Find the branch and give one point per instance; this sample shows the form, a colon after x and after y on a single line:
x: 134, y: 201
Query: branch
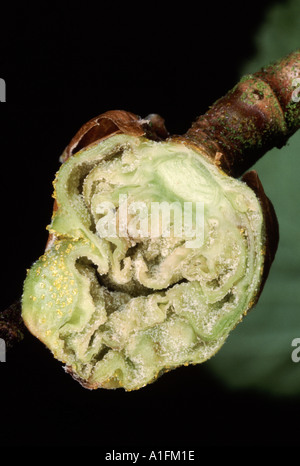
x: 259, y: 113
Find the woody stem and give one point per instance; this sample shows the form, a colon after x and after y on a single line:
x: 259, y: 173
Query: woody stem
x: 261, y: 112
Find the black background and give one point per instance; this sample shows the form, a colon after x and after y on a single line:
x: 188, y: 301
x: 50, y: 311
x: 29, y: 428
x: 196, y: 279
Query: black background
x: 63, y: 66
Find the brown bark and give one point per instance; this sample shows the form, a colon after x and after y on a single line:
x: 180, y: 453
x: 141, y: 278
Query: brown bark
x: 255, y: 116
x: 115, y: 122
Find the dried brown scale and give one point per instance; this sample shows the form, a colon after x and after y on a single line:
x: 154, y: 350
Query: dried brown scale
x: 103, y: 125
x: 113, y: 122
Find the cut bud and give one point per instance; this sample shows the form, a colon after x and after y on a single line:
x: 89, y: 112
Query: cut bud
x: 123, y: 294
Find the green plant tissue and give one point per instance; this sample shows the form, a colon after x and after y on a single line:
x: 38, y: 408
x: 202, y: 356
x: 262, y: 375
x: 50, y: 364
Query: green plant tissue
x: 258, y: 354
